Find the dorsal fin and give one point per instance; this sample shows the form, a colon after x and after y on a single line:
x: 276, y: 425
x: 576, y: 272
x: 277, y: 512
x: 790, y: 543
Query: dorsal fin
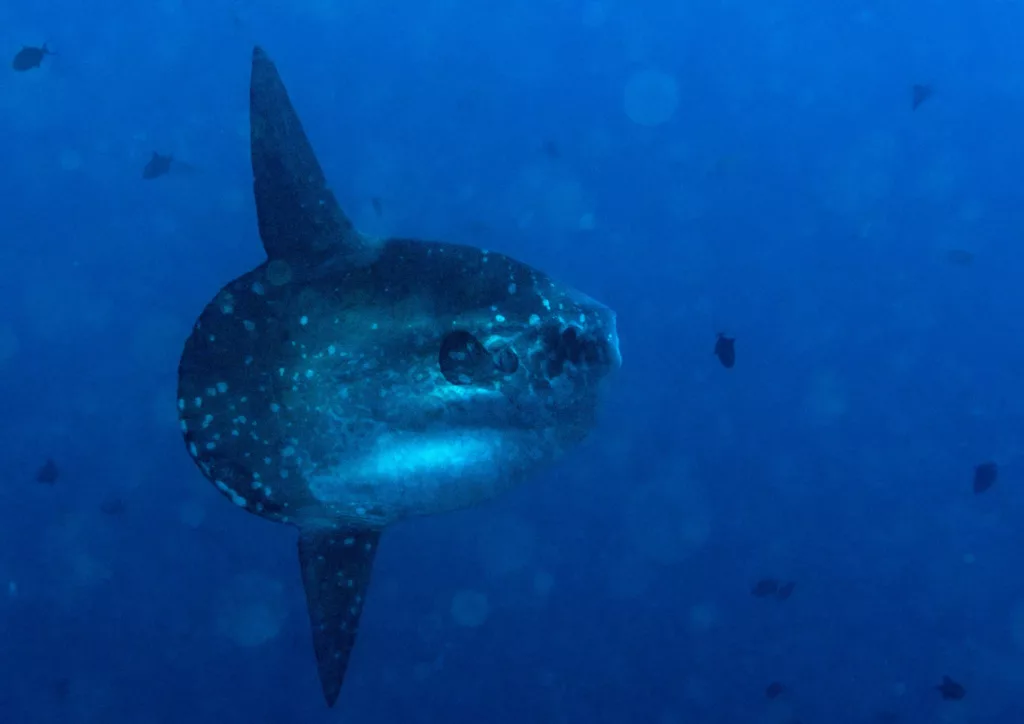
x: 300, y: 221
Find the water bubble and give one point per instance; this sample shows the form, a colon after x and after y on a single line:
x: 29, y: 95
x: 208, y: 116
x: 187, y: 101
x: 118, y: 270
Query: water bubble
x: 70, y: 160
x: 251, y: 609
x: 651, y: 97
x: 470, y: 608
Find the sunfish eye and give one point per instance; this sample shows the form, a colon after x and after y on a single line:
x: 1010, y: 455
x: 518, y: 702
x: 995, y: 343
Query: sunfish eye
x: 506, y: 361
x: 463, y: 358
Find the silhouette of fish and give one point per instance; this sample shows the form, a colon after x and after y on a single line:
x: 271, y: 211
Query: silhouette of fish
x: 30, y: 57
x: 114, y: 505
x: 157, y: 166
x: 775, y: 690
x: 161, y: 165
x: 773, y: 587
x: 919, y: 93
x: 951, y: 690
x: 550, y: 149
x: 985, y: 476
x: 378, y: 207
x: 960, y: 257
x: 48, y: 473
x: 725, y: 350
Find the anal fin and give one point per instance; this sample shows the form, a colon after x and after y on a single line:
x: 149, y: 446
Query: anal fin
x: 336, y: 567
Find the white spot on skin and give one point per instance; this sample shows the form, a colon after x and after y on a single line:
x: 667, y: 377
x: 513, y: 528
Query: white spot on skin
x: 235, y: 497
x: 512, y: 288
x: 534, y: 320
x: 499, y: 318
x: 303, y: 320
x: 331, y: 350
x: 222, y: 387
x: 181, y: 404
x: 309, y: 374
x: 274, y: 407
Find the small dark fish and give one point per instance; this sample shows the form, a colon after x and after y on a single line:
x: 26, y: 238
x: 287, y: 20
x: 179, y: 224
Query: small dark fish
x: 919, y: 93
x: 775, y: 690
x: 550, y: 149
x: 725, y: 350
x: 951, y: 689
x: 765, y: 587
x: 960, y: 257
x: 157, y: 166
x: 786, y: 590
x: 49, y: 473
x: 62, y: 689
x: 113, y: 506
x: 985, y: 476
x: 30, y: 57
x: 378, y: 208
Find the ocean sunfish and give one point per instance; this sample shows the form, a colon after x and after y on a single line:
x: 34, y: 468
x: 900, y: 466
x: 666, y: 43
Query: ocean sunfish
x: 347, y: 383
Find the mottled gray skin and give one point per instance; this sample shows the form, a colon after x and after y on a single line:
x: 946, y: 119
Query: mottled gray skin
x: 323, y: 401
x: 349, y: 383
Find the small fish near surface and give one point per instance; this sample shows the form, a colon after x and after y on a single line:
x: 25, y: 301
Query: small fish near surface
x: 725, y: 350
x: 951, y: 690
x: 960, y: 257
x: 768, y: 587
x: 48, y: 473
x: 919, y: 93
x: 775, y: 690
x: 157, y: 166
x: 113, y: 505
x: 985, y: 476
x: 30, y: 57
x: 161, y: 165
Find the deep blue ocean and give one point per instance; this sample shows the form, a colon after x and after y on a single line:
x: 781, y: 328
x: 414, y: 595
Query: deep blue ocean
x: 704, y: 167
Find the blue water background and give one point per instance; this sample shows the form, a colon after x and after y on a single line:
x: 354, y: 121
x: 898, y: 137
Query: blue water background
x: 793, y: 200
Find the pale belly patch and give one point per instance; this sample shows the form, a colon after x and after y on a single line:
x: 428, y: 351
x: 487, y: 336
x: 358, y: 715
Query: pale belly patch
x: 409, y: 474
